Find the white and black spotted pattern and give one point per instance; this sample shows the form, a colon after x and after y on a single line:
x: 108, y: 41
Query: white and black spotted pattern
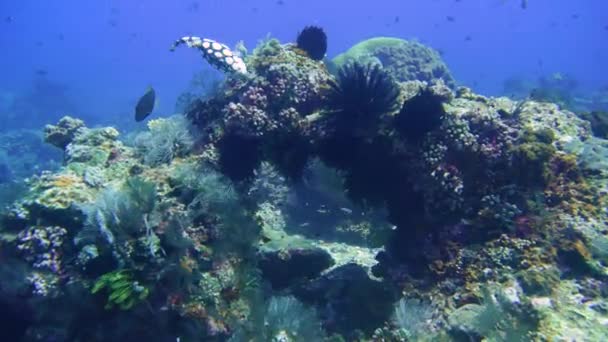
x: 217, y: 54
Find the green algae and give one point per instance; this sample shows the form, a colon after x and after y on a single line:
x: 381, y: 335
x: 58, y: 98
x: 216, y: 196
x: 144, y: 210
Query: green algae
x: 536, y: 281
x: 532, y: 156
x: 122, y: 290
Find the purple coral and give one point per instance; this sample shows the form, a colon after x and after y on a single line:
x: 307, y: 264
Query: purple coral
x: 41, y: 246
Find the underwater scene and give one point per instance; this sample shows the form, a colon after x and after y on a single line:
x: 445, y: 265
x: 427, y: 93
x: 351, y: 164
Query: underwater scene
x: 302, y: 171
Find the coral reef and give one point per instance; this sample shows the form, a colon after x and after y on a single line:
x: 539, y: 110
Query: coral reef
x: 63, y: 133
x: 377, y: 204
x: 599, y: 123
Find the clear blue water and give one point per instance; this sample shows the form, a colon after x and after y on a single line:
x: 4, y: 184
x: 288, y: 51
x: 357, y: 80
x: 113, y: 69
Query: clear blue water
x: 106, y: 53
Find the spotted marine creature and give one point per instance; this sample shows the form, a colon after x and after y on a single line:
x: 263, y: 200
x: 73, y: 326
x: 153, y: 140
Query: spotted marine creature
x: 217, y: 54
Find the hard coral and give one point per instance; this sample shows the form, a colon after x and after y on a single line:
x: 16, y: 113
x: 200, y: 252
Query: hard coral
x: 264, y: 117
x: 63, y: 133
x: 531, y: 157
x: 406, y: 60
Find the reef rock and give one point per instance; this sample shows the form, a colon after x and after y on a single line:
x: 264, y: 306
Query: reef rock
x: 463, y: 320
x: 63, y: 133
x: 284, y: 267
x: 350, y: 298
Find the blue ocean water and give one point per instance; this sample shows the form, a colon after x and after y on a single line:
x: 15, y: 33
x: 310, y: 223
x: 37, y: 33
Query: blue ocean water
x: 105, y: 53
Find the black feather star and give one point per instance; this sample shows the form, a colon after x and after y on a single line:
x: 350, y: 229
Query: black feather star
x: 360, y: 95
x: 313, y: 40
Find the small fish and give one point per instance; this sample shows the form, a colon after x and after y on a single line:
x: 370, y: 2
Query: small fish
x: 606, y: 27
x: 9, y: 19
x: 280, y: 2
x: 145, y: 105
x: 397, y: 19
x: 524, y: 4
x: 450, y: 18
x: 112, y: 22
x: 305, y: 224
x: 575, y: 16
x: 39, y: 44
x: 323, y: 209
x: 346, y: 210
x: 468, y: 38
x: 61, y: 36
x: 41, y: 72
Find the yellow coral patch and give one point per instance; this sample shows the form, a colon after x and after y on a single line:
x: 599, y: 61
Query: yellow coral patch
x: 65, y: 181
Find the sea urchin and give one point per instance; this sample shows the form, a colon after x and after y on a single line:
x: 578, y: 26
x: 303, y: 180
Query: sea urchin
x: 313, y: 40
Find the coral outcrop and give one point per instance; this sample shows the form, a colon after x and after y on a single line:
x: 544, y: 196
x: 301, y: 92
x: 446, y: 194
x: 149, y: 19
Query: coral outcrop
x: 275, y: 210
x: 405, y: 60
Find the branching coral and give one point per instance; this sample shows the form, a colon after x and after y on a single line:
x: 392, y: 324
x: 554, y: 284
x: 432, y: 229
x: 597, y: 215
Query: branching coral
x: 43, y: 248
